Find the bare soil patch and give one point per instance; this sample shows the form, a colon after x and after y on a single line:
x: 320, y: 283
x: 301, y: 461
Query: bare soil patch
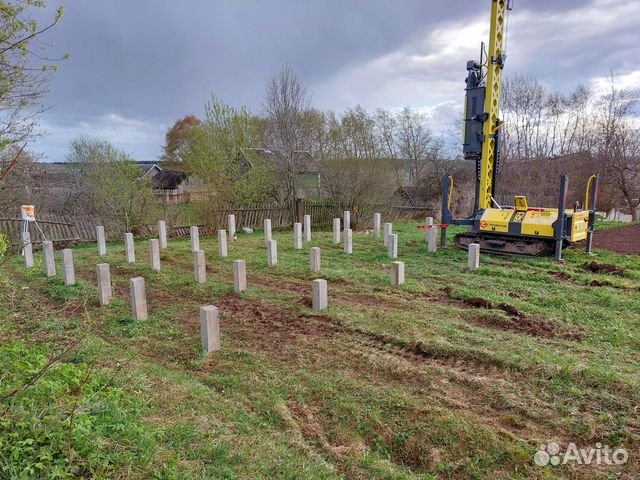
x: 268, y: 326
x: 607, y: 268
x: 564, y: 276
x: 519, y: 322
x: 478, y: 302
x: 624, y: 240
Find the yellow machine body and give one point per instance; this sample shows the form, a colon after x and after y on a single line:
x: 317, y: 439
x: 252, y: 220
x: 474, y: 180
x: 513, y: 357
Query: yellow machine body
x: 536, y: 223
x: 517, y: 230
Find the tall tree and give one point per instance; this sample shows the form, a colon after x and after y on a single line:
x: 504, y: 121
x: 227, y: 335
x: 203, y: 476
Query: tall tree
x: 285, y: 106
x: 177, y: 140
x: 353, y: 172
x: 416, y: 144
x: 619, y: 143
x: 222, y: 161
x: 387, y: 131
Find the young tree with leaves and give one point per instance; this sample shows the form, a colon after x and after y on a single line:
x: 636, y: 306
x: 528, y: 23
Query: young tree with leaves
x: 222, y: 161
x: 177, y: 140
x: 24, y: 69
x: 116, y: 189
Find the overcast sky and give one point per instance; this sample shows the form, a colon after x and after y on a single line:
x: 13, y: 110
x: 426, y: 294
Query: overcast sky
x: 138, y: 65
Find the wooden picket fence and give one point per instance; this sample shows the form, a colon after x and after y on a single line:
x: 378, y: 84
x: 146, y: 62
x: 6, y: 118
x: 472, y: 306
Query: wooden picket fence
x: 253, y: 216
x: 323, y: 213
x: 58, y: 228
x: 65, y: 229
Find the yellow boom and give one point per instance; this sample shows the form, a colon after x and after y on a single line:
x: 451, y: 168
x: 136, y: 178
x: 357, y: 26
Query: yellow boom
x: 495, y: 63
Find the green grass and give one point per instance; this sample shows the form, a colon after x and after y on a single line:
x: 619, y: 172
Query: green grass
x: 602, y: 224
x: 408, y: 382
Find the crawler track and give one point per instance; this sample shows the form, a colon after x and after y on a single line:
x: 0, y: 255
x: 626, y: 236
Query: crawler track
x: 505, y: 244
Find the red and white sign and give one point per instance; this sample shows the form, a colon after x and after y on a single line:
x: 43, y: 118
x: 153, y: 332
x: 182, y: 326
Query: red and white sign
x: 28, y: 213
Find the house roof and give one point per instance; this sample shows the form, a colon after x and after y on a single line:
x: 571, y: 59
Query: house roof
x: 147, y: 167
x: 168, y: 179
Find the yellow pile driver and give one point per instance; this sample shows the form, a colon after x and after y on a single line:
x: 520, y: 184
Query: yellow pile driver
x: 518, y: 229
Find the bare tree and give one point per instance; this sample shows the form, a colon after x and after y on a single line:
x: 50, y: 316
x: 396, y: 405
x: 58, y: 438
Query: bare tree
x: 285, y: 106
x: 524, y: 102
x: 16, y: 179
x: 354, y: 172
x: 387, y: 132
x: 541, y: 124
x: 417, y: 145
x: 177, y: 140
x: 619, y: 145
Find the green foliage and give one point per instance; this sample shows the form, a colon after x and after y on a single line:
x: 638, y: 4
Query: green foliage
x: 220, y: 156
x: 389, y: 382
x: 35, y: 432
x: 121, y: 195
x: 4, y: 245
x: 24, y: 68
x: 177, y: 139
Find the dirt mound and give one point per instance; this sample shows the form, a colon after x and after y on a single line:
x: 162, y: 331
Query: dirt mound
x: 595, y: 267
x: 478, y: 302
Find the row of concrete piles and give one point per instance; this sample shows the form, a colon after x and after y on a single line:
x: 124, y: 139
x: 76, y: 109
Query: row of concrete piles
x: 390, y: 239
x: 209, y: 315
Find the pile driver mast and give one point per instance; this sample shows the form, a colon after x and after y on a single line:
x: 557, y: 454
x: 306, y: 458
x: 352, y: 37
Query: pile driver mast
x: 517, y: 230
x: 482, y: 108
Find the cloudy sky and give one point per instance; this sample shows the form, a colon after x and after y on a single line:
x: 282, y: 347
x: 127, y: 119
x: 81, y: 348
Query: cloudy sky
x: 138, y: 65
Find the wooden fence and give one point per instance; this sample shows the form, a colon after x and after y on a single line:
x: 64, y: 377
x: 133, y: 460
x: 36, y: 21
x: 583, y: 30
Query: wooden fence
x: 172, y: 197
x: 322, y: 213
x: 55, y: 227
x: 64, y: 229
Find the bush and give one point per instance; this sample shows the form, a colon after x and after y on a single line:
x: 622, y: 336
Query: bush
x: 116, y: 190
x: 223, y: 163
x: 34, y: 430
x: 4, y: 245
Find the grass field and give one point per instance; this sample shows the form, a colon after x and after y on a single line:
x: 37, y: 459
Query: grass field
x: 456, y: 374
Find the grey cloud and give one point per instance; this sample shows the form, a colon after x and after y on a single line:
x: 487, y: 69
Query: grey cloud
x: 150, y: 61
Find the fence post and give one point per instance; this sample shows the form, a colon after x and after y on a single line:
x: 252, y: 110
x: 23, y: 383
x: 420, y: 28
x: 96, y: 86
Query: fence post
x: 299, y: 210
